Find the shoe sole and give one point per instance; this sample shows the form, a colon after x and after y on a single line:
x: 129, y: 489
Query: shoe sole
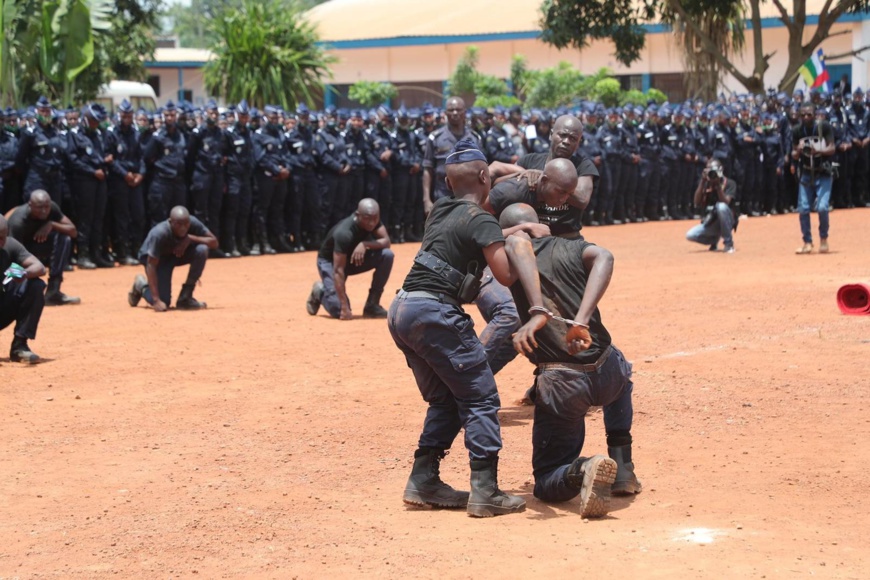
x: 24, y: 361
x: 312, y: 305
x: 482, y: 510
x: 599, y: 473
x: 415, y: 498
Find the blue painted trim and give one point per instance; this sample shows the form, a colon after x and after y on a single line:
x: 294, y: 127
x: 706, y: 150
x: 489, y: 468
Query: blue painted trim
x: 397, y: 41
x: 444, y: 94
x: 645, y: 82
x: 180, y: 64
x: 328, y: 96
x: 180, y: 84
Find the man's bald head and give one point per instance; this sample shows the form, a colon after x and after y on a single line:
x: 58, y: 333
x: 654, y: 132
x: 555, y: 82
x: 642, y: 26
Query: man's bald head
x: 39, y: 196
x: 558, y: 182
x: 516, y: 214
x: 565, y: 136
x: 39, y: 204
x: 179, y: 221
x: 179, y: 212
x: 469, y: 178
x: 368, y: 214
x: 456, y: 114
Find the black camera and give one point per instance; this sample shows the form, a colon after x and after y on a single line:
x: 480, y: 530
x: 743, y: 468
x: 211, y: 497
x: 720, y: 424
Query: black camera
x: 807, y: 150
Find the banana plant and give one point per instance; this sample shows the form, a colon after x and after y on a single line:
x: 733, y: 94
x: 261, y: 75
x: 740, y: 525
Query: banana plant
x: 67, y: 46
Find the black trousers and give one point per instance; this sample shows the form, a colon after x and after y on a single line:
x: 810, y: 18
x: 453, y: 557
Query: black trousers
x: 270, y: 209
x: 22, y: 303
x: 126, y: 213
x: 90, y: 197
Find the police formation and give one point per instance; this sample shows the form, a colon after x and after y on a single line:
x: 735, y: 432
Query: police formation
x: 274, y: 181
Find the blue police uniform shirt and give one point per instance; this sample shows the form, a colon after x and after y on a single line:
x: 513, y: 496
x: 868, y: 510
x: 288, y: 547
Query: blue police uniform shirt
x: 160, y: 241
x: 343, y: 237
x: 457, y: 231
x: 563, y: 282
x: 438, y: 147
x: 567, y: 218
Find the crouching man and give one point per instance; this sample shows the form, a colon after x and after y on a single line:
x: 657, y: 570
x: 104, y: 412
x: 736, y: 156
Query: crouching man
x: 180, y: 240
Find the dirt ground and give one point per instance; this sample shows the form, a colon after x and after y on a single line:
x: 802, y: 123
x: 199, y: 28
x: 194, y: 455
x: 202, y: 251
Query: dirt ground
x: 253, y: 440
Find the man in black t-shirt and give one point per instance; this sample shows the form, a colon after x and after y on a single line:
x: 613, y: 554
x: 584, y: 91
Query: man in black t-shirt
x: 813, y: 145
x: 47, y: 234
x: 717, y: 192
x: 356, y: 244
x: 564, y: 221
x: 429, y: 326
x: 577, y: 367
x: 21, y: 294
x: 180, y: 240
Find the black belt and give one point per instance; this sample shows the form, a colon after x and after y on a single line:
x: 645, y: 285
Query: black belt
x: 443, y: 298
x: 588, y: 368
x: 439, y: 266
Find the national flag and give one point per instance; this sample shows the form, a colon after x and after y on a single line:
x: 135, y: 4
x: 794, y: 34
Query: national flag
x: 814, y: 72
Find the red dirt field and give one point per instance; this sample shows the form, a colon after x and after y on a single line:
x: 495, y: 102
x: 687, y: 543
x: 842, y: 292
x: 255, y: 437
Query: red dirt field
x: 253, y: 440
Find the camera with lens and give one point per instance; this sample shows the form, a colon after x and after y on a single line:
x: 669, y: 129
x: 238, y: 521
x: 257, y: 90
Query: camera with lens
x: 714, y: 173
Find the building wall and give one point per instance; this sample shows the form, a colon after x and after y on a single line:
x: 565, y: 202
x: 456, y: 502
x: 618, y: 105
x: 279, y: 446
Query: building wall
x: 191, y: 79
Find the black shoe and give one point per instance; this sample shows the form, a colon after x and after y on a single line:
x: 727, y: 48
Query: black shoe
x: 129, y: 261
x: 374, y: 311
x: 593, y: 478
x: 486, y: 499
x: 217, y: 253
x: 68, y: 268
x: 103, y: 262
x: 20, y: 352
x: 135, y: 293
x: 267, y: 249
x: 58, y: 298
x: 312, y: 305
x: 425, y: 487
x: 626, y: 482
x: 186, y: 301
x: 85, y: 263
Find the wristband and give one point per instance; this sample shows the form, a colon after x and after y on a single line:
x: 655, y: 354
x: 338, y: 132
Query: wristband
x: 552, y: 316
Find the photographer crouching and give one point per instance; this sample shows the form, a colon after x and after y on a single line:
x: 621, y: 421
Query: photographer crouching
x: 813, y: 141
x: 717, y: 193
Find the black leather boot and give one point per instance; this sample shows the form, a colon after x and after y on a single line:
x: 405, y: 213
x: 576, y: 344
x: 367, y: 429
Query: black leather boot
x: 186, y: 301
x: 84, y: 261
x: 20, y: 352
x: 592, y: 477
x: 425, y: 487
x: 54, y: 297
x: 486, y: 498
x: 411, y: 235
x: 626, y: 482
x: 373, y: 308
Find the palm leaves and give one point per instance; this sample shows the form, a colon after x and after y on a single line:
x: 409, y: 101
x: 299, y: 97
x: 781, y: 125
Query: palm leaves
x: 266, y: 53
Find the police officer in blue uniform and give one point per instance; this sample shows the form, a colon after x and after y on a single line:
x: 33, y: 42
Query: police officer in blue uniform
x: 648, y: 200
x: 126, y: 204
x: 331, y: 151
x: 497, y: 144
x: 429, y: 326
x: 610, y: 137
x: 90, y: 163
x: 272, y: 172
x: 631, y: 165
x: 305, y: 199
x: 206, y: 157
x: 379, y: 163
x: 438, y: 147
x: 165, y: 159
x: 240, y: 172
x: 357, y: 148
x: 9, y: 194
x: 407, y: 160
x: 42, y: 151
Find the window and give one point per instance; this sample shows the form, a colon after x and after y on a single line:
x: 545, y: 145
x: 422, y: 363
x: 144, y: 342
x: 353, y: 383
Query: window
x: 154, y: 81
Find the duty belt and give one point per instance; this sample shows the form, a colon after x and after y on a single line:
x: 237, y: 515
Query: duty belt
x: 439, y: 266
x: 588, y: 368
x: 444, y: 298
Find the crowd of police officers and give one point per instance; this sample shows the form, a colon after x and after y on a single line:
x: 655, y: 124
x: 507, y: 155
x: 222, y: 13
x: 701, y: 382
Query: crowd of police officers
x: 275, y: 181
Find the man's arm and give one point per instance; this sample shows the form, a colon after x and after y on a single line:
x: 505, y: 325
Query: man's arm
x: 427, y: 190
x: 517, y: 256
x: 498, y: 169
x: 599, y: 263
x: 63, y: 226
x: 208, y: 239
x: 33, y: 268
x: 339, y: 276
x: 582, y: 192
x: 700, y: 191
x: 151, y: 274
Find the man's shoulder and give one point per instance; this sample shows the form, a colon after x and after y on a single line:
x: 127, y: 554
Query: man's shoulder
x: 533, y: 160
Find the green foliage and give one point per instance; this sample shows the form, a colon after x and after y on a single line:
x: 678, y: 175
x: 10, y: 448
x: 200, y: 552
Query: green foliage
x: 497, y: 101
x: 560, y: 85
x: 571, y: 23
x: 607, y: 91
x: 633, y: 97
x: 461, y: 82
x: 370, y: 93
x: 519, y: 74
x: 266, y: 53
x: 657, y: 95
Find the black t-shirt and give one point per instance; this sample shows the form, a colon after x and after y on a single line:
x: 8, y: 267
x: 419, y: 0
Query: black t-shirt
x: 564, y: 219
x: 22, y: 227
x: 730, y: 191
x: 344, y: 237
x: 821, y: 129
x: 456, y: 231
x: 563, y: 282
x: 160, y: 241
x: 12, y: 252
x: 509, y: 192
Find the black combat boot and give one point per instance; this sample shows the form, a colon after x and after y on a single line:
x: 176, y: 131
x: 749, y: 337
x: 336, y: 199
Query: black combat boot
x: 397, y: 235
x: 20, y: 352
x: 312, y: 305
x: 425, y: 487
x: 373, y: 308
x: 626, y: 482
x: 186, y: 301
x: 124, y: 257
x: 54, y: 297
x: 411, y: 235
x: 283, y: 245
x: 592, y: 477
x: 103, y: 259
x: 217, y: 254
x: 135, y: 293
x: 84, y: 261
x: 487, y: 499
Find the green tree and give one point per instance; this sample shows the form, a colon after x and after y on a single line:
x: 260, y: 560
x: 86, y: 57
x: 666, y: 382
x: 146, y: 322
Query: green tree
x: 572, y: 23
x: 461, y: 82
x: 266, y: 53
x: 371, y: 93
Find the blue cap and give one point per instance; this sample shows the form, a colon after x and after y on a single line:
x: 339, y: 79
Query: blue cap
x: 857, y: 91
x: 427, y: 110
x: 125, y: 107
x: 302, y: 109
x: 242, y: 108
x: 385, y: 111
x: 255, y: 112
x: 211, y: 105
x: 270, y: 110
x: 95, y: 111
x: 356, y: 114
x: 465, y: 151
x: 43, y: 102
x: 170, y: 106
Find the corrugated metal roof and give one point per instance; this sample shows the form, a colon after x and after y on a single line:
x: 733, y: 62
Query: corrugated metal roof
x: 343, y: 20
